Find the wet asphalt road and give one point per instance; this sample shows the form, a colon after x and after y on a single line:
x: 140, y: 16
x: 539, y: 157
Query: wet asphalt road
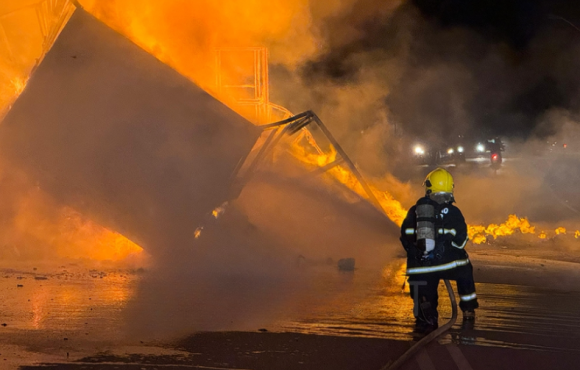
x: 75, y: 320
x: 73, y: 317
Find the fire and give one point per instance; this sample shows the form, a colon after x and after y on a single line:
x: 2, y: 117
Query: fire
x: 197, y: 232
x: 69, y: 234
x: 561, y: 230
x: 182, y: 35
x: 18, y: 85
x: 83, y: 238
x: 11, y: 86
x: 314, y: 156
x: 26, y: 29
x: 305, y: 149
x: 479, y: 234
x: 12, y: 89
x: 542, y: 235
x: 219, y: 210
x: 185, y: 35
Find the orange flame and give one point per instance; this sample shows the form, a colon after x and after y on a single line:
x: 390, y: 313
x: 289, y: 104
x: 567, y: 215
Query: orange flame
x: 479, y: 234
x: 83, y: 238
x: 197, y: 232
x: 316, y: 157
x: 543, y: 235
x: 561, y: 230
x: 66, y: 232
x: 185, y: 35
x: 219, y: 210
x: 18, y: 85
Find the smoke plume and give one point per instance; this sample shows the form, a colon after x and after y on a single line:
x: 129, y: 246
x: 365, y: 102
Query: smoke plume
x: 458, y: 68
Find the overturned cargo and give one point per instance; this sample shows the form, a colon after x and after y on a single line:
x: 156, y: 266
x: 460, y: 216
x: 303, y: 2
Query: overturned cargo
x: 106, y: 128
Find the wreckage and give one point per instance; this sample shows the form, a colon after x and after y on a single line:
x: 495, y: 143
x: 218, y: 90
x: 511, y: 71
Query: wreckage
x: 106, y: 128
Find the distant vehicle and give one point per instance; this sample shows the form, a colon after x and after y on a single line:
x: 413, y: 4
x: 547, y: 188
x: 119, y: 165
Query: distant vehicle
x: 496, y: 146
x: 453, y: 154
x: 496, y: 160
x: 434, y: 155
x: 458, y: 153
x: 555, y: 147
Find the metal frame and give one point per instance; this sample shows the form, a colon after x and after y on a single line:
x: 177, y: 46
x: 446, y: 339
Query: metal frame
x: 291, y: 126
x: 261, y: 99
x: 51, y: 15
x: 49, y: 11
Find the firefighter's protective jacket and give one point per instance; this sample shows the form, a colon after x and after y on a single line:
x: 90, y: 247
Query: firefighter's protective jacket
x: 451, y: 238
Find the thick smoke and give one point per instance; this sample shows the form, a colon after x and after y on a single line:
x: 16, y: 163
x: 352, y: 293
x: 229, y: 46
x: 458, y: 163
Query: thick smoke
x: 470, y: 68
x: 389, y: 73
x: 262, y: 260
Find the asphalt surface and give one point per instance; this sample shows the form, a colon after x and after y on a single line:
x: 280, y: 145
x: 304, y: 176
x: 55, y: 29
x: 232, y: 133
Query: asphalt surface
x: 77, y: 317
x: 366, y: 325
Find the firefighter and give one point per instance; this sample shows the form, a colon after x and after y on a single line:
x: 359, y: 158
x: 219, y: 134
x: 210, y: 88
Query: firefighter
x: 434, y: 234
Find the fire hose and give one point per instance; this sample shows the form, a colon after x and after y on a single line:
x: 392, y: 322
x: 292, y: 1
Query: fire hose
x: 433, y: 335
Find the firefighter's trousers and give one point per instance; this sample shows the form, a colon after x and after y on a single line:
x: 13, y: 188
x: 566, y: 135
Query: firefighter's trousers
x: 425, y: 296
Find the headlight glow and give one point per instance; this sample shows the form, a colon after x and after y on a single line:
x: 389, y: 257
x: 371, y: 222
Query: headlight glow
x: 460, y: 149
x: 480, y: 148
x: 450, y: 151
x: 419, y: 150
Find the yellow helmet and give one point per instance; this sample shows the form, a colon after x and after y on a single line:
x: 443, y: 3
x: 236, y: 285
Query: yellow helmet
x: 438, y: 181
